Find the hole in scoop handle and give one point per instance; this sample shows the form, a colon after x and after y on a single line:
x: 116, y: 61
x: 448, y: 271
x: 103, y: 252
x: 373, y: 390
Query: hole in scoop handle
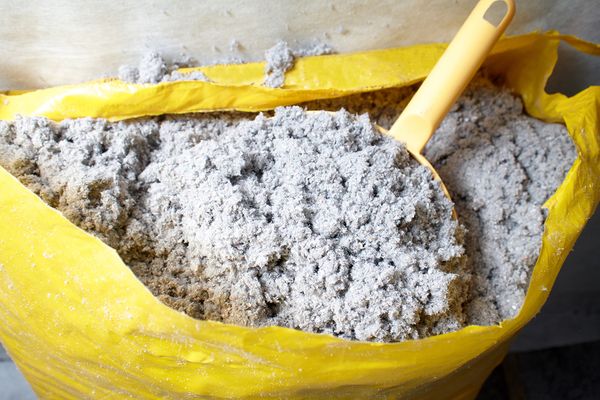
x: 450, y: 76
x: 496, y: 12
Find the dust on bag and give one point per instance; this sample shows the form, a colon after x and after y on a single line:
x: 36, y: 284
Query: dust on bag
x: 79, y: 324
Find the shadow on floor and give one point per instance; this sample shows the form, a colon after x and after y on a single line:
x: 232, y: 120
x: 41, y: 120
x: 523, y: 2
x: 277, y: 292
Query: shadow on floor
x: 562, y: 373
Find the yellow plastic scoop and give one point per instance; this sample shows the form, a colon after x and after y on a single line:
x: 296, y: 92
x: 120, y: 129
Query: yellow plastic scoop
x: 450, y: 76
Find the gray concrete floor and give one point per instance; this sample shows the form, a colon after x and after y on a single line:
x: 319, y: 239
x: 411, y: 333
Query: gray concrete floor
x: 12, y: 384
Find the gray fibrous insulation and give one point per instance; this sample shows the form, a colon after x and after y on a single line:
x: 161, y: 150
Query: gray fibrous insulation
x: 153, y: 69
x: 280, y: 58
x: 309, y: 221
x: 314, y: 222
x: 500, y: 166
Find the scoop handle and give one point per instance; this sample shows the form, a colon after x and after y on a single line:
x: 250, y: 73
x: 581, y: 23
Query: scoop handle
x: 450, y: 75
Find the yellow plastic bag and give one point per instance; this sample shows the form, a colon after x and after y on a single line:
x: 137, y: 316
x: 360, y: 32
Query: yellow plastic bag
x: 79, y: 325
